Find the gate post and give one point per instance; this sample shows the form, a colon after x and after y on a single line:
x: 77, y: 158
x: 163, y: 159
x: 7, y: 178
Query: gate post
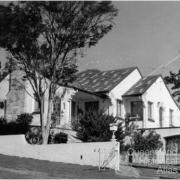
x: 117, y: 159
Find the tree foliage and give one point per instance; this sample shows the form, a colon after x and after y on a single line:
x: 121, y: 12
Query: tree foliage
x: 20, y: 126
x: 45, y: 38
x: 120, y: 134
x: 139, y: 139
x: 174, y: 80
x: 146, y: 140
x: 8, y: 67
x: 94, y: 127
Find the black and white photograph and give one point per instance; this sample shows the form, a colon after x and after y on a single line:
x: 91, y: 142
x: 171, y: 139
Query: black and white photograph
x: 89, y: 89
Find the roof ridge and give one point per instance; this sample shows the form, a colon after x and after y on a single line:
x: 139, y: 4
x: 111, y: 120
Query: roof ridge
x: 132, y: 67
x: 90, y: 70
x: 156, y: 75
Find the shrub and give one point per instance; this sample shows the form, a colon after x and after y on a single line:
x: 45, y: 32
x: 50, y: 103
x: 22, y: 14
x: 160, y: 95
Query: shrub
x: 75, y: 125
x: 60, y: 138
x: 2, y: 121
x: 23, y: 121
x: 12, y: 128
x: 24, y: 118
x: 143, y: 140
x: 147, y: 140
x: 94, y: 127
x: 20, y: 126
x: 34, y: 135
x: 120, y: 133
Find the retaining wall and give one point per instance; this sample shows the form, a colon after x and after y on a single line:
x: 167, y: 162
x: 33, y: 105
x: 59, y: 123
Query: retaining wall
x: 75, y: 153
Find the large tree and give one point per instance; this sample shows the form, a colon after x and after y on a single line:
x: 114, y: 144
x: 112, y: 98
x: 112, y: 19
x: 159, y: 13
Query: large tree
x: 173, y: 79
x: 44, y: 40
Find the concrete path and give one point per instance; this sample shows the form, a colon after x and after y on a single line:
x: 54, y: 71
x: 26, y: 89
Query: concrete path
x: 128, y: 171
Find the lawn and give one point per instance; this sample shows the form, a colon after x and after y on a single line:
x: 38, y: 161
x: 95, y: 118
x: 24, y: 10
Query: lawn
x: 24, y: 168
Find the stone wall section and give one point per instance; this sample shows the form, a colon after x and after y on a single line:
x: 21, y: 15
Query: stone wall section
x: 15, y: 103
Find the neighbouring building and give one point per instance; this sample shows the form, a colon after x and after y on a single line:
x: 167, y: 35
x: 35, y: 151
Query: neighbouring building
x: 119, y: 92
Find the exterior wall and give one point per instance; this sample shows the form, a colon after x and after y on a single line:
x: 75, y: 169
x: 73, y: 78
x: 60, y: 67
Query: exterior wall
x: 120, y: 89
x: 15, y: 97
x: 65, y: 105
x: 159, y: 95
x: 4, y: 89
x: 30, y: 103
x: 66, y: 108
x: 75, y: 153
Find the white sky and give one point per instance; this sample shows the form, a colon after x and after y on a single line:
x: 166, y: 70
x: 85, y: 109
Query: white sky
x: 147, y: 34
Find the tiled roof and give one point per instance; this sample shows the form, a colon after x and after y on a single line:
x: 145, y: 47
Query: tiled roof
x: 101, y: 81
x: 141, y: 86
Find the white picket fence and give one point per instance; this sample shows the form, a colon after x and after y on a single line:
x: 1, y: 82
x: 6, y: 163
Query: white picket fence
x: 152, y: 158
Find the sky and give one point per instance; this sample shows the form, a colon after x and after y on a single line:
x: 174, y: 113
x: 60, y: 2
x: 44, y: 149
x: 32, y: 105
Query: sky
x: 146, y: 35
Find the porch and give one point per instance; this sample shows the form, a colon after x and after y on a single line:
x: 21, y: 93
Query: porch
x: 69, y: 110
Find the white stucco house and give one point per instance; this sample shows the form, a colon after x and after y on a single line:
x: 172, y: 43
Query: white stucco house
x: 117, y: 92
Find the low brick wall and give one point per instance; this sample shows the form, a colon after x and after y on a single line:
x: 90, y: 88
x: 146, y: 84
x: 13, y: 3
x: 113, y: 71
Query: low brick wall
x: 75, y: 153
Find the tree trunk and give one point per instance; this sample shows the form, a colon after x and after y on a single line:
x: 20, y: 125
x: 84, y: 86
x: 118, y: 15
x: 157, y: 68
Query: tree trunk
x: 48, y: 122
x: 42, y: 119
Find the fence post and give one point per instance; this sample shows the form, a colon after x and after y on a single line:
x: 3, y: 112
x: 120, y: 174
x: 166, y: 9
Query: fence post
x: 117, y: 156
